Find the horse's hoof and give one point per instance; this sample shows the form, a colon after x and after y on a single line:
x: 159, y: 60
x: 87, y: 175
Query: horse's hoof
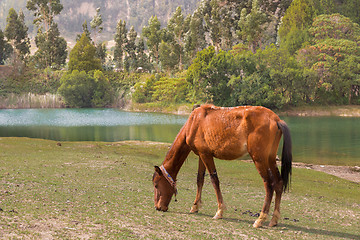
x: 271, y: 224
x: 194, y: 209
x: 274, y: 219
x: 257, y: 224
x: 217, y: 217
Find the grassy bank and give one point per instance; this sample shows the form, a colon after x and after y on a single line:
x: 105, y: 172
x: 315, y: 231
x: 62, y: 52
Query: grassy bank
x: 91, y: 190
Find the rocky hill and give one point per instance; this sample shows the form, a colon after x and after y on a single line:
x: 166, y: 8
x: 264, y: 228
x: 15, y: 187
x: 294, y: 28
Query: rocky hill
x: 134, y: 12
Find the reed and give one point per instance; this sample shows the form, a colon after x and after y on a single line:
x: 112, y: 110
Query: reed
x: 31, y: 100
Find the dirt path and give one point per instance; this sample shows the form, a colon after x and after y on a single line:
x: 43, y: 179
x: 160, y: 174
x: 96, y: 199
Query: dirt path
x: 345, y: 172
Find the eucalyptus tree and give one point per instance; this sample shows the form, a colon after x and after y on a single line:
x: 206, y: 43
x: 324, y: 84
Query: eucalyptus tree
x: 252, y: 26
x: 195, y: 36
x: 178, y: 27
x: 120, y: 41
x: 130, y: 48
x: 96, y: 23
x: 153, y: 35
x: 52, y: 49
x: 5, y: 48
x: 16, y: 34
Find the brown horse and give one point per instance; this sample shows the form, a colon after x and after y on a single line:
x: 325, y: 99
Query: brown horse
x: 228, y: 133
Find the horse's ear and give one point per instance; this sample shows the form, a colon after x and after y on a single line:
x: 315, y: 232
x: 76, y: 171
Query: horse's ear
x: 157, y: 169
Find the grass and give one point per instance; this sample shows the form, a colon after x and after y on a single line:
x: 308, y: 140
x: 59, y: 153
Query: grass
x: 96, y: 190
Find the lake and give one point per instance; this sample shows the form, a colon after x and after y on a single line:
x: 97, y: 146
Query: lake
x: 320, y: 140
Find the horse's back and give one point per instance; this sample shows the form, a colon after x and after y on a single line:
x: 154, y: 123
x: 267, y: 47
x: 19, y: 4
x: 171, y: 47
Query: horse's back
x: 223, y: 132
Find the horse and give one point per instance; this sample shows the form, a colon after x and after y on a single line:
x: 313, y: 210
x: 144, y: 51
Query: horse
x: 227, y: 134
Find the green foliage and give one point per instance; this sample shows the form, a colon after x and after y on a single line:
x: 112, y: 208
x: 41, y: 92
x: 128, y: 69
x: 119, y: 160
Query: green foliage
x: 120, y: 41
x: 96, y: 23
x: 5, y: 48
x: 170, y: 90
x: 80, y: 89
x: 143, y: 90
x: 16, y: 34
x: 335, y: 58
x: 52, y: 49
x: 252, y: 26
x: 83, y: 56
x: 153, y: 34
x: 297, y: 19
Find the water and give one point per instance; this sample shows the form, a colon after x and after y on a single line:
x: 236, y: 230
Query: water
x: 319, y: 140
x: 108, y: 125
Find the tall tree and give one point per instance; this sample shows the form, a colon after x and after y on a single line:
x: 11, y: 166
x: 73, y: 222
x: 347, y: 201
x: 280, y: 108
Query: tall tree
x: 141, y: 57
x: 51, y: 47
x: 83, y: 56
x: 195, y: 37
x: 85, y: 30
x: 16, y: 34
x: 120, y: 41
x: 5, y: 48
x: 212, y: 19
x: 178, y: 28
x: 252, y: 26
x: 96, y: 23
x: 130, y: 48
x: 295, y: 23
x: 153, y: 34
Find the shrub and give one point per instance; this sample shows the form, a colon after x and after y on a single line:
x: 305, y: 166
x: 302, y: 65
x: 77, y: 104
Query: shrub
x: 80, y: 89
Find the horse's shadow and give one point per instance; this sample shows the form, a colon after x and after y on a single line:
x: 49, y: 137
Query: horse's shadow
x: 285, y: 225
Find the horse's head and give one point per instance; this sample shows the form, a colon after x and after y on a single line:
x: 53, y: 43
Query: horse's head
x: 163, y: 190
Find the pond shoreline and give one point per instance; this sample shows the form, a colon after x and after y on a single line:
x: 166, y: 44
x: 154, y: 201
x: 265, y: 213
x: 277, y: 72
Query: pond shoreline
x: 37, y: 101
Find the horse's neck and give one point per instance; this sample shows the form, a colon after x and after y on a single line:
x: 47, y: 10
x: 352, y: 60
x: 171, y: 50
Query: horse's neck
x: 176, y: 155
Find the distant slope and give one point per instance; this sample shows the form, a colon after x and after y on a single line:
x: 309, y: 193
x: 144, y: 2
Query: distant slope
x: 134, y: 12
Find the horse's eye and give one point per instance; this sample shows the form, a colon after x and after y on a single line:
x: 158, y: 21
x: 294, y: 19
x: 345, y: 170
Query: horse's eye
x: 156, y: 185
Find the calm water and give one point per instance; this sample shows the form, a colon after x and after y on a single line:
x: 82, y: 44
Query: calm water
x: 320, y: 140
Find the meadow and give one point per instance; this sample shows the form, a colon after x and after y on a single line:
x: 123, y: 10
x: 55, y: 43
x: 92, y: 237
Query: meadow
x: 100, y: 190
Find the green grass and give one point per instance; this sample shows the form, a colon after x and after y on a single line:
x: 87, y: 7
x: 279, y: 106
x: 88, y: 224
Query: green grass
x: 95, y: 190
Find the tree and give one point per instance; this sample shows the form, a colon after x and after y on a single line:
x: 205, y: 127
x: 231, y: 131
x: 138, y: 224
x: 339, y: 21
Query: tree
x: 335, y: 57
x: 85, y: 30
x: 130, y: 47
x: 80, y: 89
x: 252, y: 26
x: 169, y: 55
x: 51, y: 47
x: 83, y: 56
x: 177, y: 27
x: 16, y: 34
x: 44, y: 11
x: 120, y: 41
x: 195, y: 37
x: 141, y: 57
x: 5, y: 48
x: 96, y: 23
x: 297, y: 19
x: 153, y: 34
x: 211, y: 12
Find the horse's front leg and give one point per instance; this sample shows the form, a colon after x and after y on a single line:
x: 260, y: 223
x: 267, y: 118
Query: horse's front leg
x: 200, y: 182
x: 208, y: 161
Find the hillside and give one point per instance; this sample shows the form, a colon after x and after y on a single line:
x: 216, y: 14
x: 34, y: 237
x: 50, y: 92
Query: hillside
x: 134, y: 12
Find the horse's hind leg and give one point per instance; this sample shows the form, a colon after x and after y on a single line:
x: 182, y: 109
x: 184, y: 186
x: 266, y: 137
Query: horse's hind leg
x: 267, y: 177
x: 278, y: 191
x: 200, y: 182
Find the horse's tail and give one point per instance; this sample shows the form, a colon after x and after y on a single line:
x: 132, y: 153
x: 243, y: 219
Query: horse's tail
x: 286, y: 156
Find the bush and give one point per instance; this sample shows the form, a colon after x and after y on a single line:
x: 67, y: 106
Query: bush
x: 80, y: 89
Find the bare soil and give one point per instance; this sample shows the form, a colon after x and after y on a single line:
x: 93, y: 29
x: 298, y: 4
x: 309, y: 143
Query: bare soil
x: 345, y: 172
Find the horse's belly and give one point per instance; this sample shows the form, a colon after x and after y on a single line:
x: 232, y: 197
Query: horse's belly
x: 230, y: 151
